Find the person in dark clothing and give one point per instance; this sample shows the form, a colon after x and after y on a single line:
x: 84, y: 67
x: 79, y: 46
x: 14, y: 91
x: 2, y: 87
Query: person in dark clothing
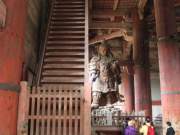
x: 170, y: 130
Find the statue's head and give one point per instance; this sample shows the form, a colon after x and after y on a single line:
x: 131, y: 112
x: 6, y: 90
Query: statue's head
x: 103, y: 49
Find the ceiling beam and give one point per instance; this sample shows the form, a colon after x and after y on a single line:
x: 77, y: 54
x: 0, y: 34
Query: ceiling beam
x: 110, y: 25
x: 121, y: 33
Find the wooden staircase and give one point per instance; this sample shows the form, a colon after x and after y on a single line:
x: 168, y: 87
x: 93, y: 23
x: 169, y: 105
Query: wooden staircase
x: 55, y: 105
x: 64, y: 53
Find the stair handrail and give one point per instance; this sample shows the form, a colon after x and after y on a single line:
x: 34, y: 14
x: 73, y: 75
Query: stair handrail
x: 44, y: 46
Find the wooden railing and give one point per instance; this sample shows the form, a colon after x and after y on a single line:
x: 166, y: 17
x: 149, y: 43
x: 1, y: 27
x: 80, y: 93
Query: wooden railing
x: 43, y: 47
x: 50, y: 111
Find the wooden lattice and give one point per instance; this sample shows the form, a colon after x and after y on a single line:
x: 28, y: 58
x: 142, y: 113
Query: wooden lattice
x: 54, y: 111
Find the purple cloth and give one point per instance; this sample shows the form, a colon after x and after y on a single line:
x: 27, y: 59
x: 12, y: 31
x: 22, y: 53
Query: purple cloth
x: 130, y: 131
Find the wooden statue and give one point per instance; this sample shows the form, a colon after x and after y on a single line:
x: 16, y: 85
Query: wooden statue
x: 105, y: 77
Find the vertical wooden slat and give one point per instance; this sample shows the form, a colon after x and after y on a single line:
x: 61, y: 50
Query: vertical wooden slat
x: 65, y: 114
x: 76, y: 113
x: 81, y: 112
x: 59, y: 112
x: 43, y: 111
x: 32, y: 112
x: 38, y: 111
x: 48, y: 111
x: 54, y: 111
x: 70, y: 113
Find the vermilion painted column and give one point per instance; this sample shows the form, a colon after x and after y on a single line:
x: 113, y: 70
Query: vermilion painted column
x: 142, y: 91
x: 11, y: 59
x: 169, y: 62
x: 128, y: 88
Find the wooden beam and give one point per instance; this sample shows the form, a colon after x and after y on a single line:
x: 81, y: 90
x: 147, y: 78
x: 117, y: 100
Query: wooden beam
x: 110, y: 25
x: 109, y: 12
x: 121, y: 33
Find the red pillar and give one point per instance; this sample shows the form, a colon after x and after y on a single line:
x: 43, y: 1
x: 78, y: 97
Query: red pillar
x: 169, y: 61
x: 128, y: 88
x: 11, y: 59
x: 142, y: 91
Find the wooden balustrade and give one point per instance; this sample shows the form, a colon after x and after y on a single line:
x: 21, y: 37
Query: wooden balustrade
x: 51, y: 110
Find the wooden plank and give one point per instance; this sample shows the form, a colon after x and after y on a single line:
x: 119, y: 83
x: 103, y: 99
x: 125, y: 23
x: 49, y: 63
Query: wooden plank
x: 65, y: 42
x: 110, y: 25
x: 71, y: 10
x: 62, y: 79
x: 43, y: 111
x: 64, y: 66
x: 65, y: 116
x: 48, y: 110
x: 64, y: 59
x: 23, y: 107
x: 70, y: 54
x: 81, y: 111
x: 87, y: 90
x: 59, y: 111
x: 108, y: 12
x: 70, y: 113
x: 120, y: 33
x: 32, y: 112
x: 76, y: 114
x: 38, y: 111
x: 54, y: 112
x: 63, y: 72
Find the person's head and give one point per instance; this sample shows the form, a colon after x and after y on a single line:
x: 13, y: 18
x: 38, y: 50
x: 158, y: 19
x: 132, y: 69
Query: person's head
x: 168, y: 123
x: 131, y: 122
x: 148, y: 120
x: 152, y: 124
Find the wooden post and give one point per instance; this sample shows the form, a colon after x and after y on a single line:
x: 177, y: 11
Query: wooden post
x: 22, y: 123
x: 87, y: 88
x: 169, y: 62
x: 142, y: 91
x: 128, y: 88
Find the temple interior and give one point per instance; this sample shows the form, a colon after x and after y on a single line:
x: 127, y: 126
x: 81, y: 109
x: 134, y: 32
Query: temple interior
x: 89, y: 67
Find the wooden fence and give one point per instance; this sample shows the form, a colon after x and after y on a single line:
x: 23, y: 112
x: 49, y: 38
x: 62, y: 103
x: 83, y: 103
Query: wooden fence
x: 50, y: 111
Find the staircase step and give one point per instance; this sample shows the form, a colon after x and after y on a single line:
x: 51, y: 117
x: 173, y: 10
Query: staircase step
x: 67, y: 27
x: 77, y: 48
x: 65, y: 16
x: 66, y: 37
x: 65, y: 54
x: 65, y: 42
x: 62, y: 80
x: 69, y: 2
x: 71, y: 10
x: 70, y: 6
x: 66, y: 32
x: 68, y: 14
x: 64, y: 60
x: 67, y: 23
x: 64, y: 73
x: 64, y: 66
x: 68, y: 19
